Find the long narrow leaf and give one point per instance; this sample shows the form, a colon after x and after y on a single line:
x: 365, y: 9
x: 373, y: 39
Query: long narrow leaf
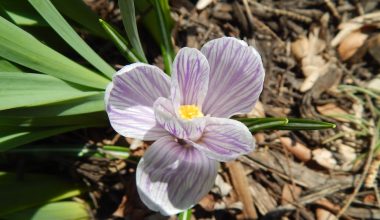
x: 11, y: 138
x: 127, y: 8
x: 20, y: 47
x: 60, y: 25
x: 186, y: 215
x: 305, y: 124
x: 166, y: 45
x: 23, y: 90
x: 32, y: 189
x: 55, y: 210
x: 79, y: 12
x: 90, y: 120
x: 21, y: 13
x: 6, y: 66
x: 89, y: 104
x: 119, y: 42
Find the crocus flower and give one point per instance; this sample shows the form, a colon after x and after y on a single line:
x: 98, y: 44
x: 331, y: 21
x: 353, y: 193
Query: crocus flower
x: 188, y: 118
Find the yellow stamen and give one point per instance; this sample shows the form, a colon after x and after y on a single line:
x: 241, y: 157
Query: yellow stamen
x: 190, y: 112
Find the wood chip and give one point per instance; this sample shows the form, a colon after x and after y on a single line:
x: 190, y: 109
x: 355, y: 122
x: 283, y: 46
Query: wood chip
x: 263, y: 200
x: 333, y: 111
x: 324, y: 158
x: 240, y: 182
x: 297, y: 149
x: 290, y: 193
x: 350, y: 44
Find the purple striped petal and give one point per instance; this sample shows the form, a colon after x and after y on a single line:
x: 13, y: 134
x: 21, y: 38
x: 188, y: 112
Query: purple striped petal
x: 182, y: 129
x: 236, y: 77
x: 130, y: 97
x: 190, y: 77
x: 171, y: 178
x: 225, y: 139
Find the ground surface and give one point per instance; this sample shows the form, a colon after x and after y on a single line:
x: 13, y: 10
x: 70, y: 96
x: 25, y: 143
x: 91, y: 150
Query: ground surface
x: 311, y: 50
x: 312, y: 71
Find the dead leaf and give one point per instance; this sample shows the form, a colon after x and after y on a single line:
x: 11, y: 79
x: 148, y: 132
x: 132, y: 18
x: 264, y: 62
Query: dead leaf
x: 297, y: 149
x: 370, y: 19
x: 324, y: 158
x: 333, y: 111
x: 351, y: 43
x: 309, y: 52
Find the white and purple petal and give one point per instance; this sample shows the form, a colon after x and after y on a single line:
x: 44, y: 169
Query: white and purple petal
x: 190, y: 77
x: 225, y: 139
x: 171, y: 178
x: 130, y: 97
x: 236, y: 77
x: 167, y: 118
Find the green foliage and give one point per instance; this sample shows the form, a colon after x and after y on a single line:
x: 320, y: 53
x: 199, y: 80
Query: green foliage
x: 66, y: 210
x: 28, y: 89
x: 258, y: 124
x: 127, y: 9
x: 20, y: 47
x: 58, y: 23
x: 186, y: 215
x: 21, y: 192
x: 121, y: 44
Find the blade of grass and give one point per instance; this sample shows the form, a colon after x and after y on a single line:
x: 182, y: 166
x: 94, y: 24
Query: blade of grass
x: 127, y: 9
x: 60, y: 25
x: 20, y: 47
x: 28, y: 89
x: 120, y: 42
x: 32, y: 189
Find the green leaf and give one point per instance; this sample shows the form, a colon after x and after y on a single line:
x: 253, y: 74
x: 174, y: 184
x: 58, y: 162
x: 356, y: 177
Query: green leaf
x: 89, y: 104
x: 165, y: 45
x: 127, y: 9
x: 79, y: 12
x: 96, y: 119
x: 27, y: 89
x: 120, y: 42
x: 305, y: 124
x: 20, y: 47
x: 60, y: 25
x: 266, y: 123
x: 21, y: 192
x: 258, y: 124
x: 186, y: 215
x: 6, y: 66
x: 21, y: 13
x: 11, y: 137
x: 56, y: 210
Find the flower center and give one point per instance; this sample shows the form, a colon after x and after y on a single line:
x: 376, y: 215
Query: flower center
x: 190, y: 112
